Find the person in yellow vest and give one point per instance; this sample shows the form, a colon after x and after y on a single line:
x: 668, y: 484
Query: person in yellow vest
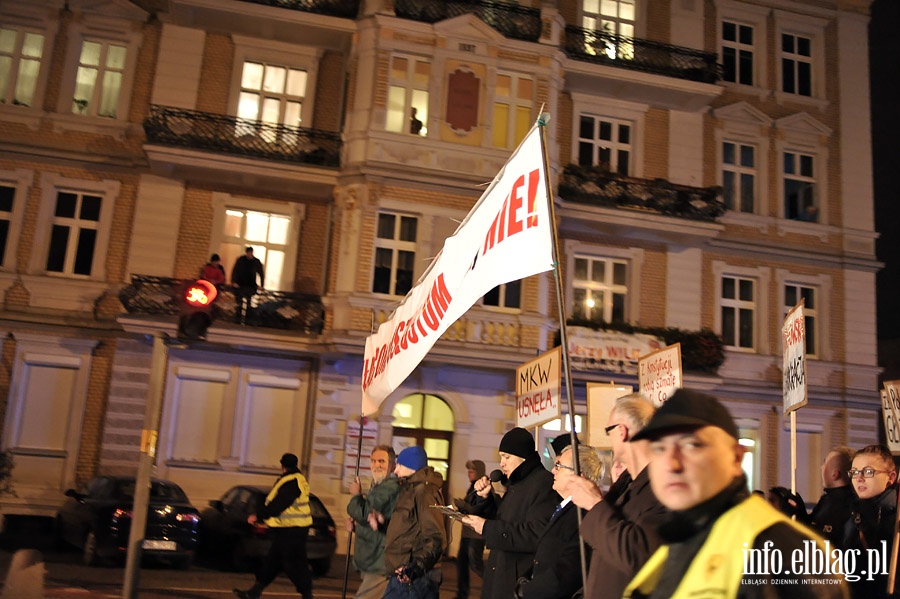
x: 286, y: 513
x: 719, y: 541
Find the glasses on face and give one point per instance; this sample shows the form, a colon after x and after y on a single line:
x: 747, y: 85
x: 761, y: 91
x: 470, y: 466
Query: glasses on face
x: 866, y: 472
x: 609, y: 429
x: 561, y: 466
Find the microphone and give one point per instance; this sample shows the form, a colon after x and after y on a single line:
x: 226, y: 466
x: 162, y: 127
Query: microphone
x: 497, y: 476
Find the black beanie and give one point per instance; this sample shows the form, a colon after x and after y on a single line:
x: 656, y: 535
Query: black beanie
x: 518, y: 442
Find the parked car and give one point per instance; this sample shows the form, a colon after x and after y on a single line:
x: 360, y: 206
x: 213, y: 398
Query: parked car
x: 226, y: 535
x: 97, y: 519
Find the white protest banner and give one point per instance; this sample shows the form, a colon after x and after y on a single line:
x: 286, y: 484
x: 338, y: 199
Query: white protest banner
x: 601, y: 397
x: 506, y: 236
x: 890, y: 411
x: 659, y: 374
x: 537, y: 389
x: 793, y: 338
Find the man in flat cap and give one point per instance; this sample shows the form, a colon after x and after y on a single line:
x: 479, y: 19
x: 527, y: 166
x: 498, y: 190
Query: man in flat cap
x: 286, y: 512
x: 512, y: 525
x: 716, y: 534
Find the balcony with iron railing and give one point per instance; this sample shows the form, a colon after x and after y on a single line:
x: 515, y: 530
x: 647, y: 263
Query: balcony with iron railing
x: 599, y: 187
x: 232, y: 135
x: 161, y: 296
x: 347, y: 9
x: 513, y: 21
x: 636, y: 54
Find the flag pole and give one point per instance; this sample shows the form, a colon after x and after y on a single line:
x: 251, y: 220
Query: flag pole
x: 350, y: 532
x: 543, y: 119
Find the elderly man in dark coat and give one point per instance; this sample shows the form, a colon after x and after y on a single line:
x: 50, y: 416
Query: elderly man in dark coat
x: 512, y: 525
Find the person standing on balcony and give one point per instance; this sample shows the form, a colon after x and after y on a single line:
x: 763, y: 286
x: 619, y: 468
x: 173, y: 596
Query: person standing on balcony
x: 243, y: 278
x: 213, y: 271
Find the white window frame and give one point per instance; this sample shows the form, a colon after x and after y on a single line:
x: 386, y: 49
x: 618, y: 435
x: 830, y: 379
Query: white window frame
x: 27, y: 17
x: 598, y: 17
x: 614, y: 146
x: 756, y: 17
x: 21, y: 180
x: 221, y: 202
x: 762, y: 277
x: 107, y: 31
x: 800, y: 133
x: 51, y: 185
x: 274, y: 53
x: 513, y: 102
x: 812, y: 27
x: 395, y: 245
x: 632, y: 112
x: 501, y: 305
x: 738, y: 170
x: 634, y: 257
x: 410, y: 89
x: 819, y: 283
x: 743, y: 124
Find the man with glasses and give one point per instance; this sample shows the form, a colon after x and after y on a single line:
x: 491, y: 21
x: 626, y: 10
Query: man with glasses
x: 620, y: 529
x: 717, y: 537
x: 874, y: 478
x: 556, y: 569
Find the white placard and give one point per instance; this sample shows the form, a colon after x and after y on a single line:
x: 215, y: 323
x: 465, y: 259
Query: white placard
x: 600, y: 400
x: 890, y: 412
x: 537, y: 389
x: 659, y: 374
x: 793, y: 339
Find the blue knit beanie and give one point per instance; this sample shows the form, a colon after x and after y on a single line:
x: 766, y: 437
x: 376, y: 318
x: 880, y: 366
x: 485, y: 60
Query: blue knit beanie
x: 413, y: 458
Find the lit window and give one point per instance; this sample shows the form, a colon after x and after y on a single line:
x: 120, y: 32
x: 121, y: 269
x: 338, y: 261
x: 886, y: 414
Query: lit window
x: 407, y: 110
x: 20, y: 63
x: 737, y: 53
x: 599, y: 289
x: 274, y: 95
x: 793, y: 293
x: 613, y: 21
x: 739, y: 176
x: 800, y: 187
x: 738, y: 306
x: 605, y: 142
x: 267, y: 233
x: 98, y: 80
x: 513, y: 103
x: 395, y: 254
x: 796, y: 64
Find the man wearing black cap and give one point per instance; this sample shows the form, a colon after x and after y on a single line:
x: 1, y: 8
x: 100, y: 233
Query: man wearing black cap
x: 416, y: 538
x: 286, y: 513
x: 695, y: 470
x: 515, y: 523
x: 471, y: 544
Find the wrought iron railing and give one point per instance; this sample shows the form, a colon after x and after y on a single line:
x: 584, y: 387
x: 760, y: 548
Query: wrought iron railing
x: 641, y: 55
x: 590, y: 185
x: 269, y: 309
x: 513, y: 21
x: 334, y: 8
x: 232, y: 135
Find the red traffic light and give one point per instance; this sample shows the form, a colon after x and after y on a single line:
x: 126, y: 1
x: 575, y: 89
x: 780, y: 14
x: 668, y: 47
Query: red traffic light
x: 200, y: 294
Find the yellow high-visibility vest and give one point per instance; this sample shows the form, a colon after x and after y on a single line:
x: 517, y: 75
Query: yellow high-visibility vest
x: 297, y: 514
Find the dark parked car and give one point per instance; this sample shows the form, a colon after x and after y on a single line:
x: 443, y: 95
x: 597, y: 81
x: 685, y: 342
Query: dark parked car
x: 226, y: 535
x: 97, y: 519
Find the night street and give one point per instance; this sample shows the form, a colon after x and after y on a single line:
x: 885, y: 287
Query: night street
x: 67, y: 578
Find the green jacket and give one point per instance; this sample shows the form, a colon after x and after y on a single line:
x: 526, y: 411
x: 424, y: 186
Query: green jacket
x: 368, y: 556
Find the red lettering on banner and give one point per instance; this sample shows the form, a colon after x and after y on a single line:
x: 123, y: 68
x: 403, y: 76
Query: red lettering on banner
x: 508, y: 222
x: 514, y: 225
x: 407, y: 332
x: 793, y: 333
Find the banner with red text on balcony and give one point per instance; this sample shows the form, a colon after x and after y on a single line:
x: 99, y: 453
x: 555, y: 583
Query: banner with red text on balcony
x: 505, y: 237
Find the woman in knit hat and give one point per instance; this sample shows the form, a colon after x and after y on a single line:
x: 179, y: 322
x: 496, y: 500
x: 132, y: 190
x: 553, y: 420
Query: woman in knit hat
x: 511, y: 526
